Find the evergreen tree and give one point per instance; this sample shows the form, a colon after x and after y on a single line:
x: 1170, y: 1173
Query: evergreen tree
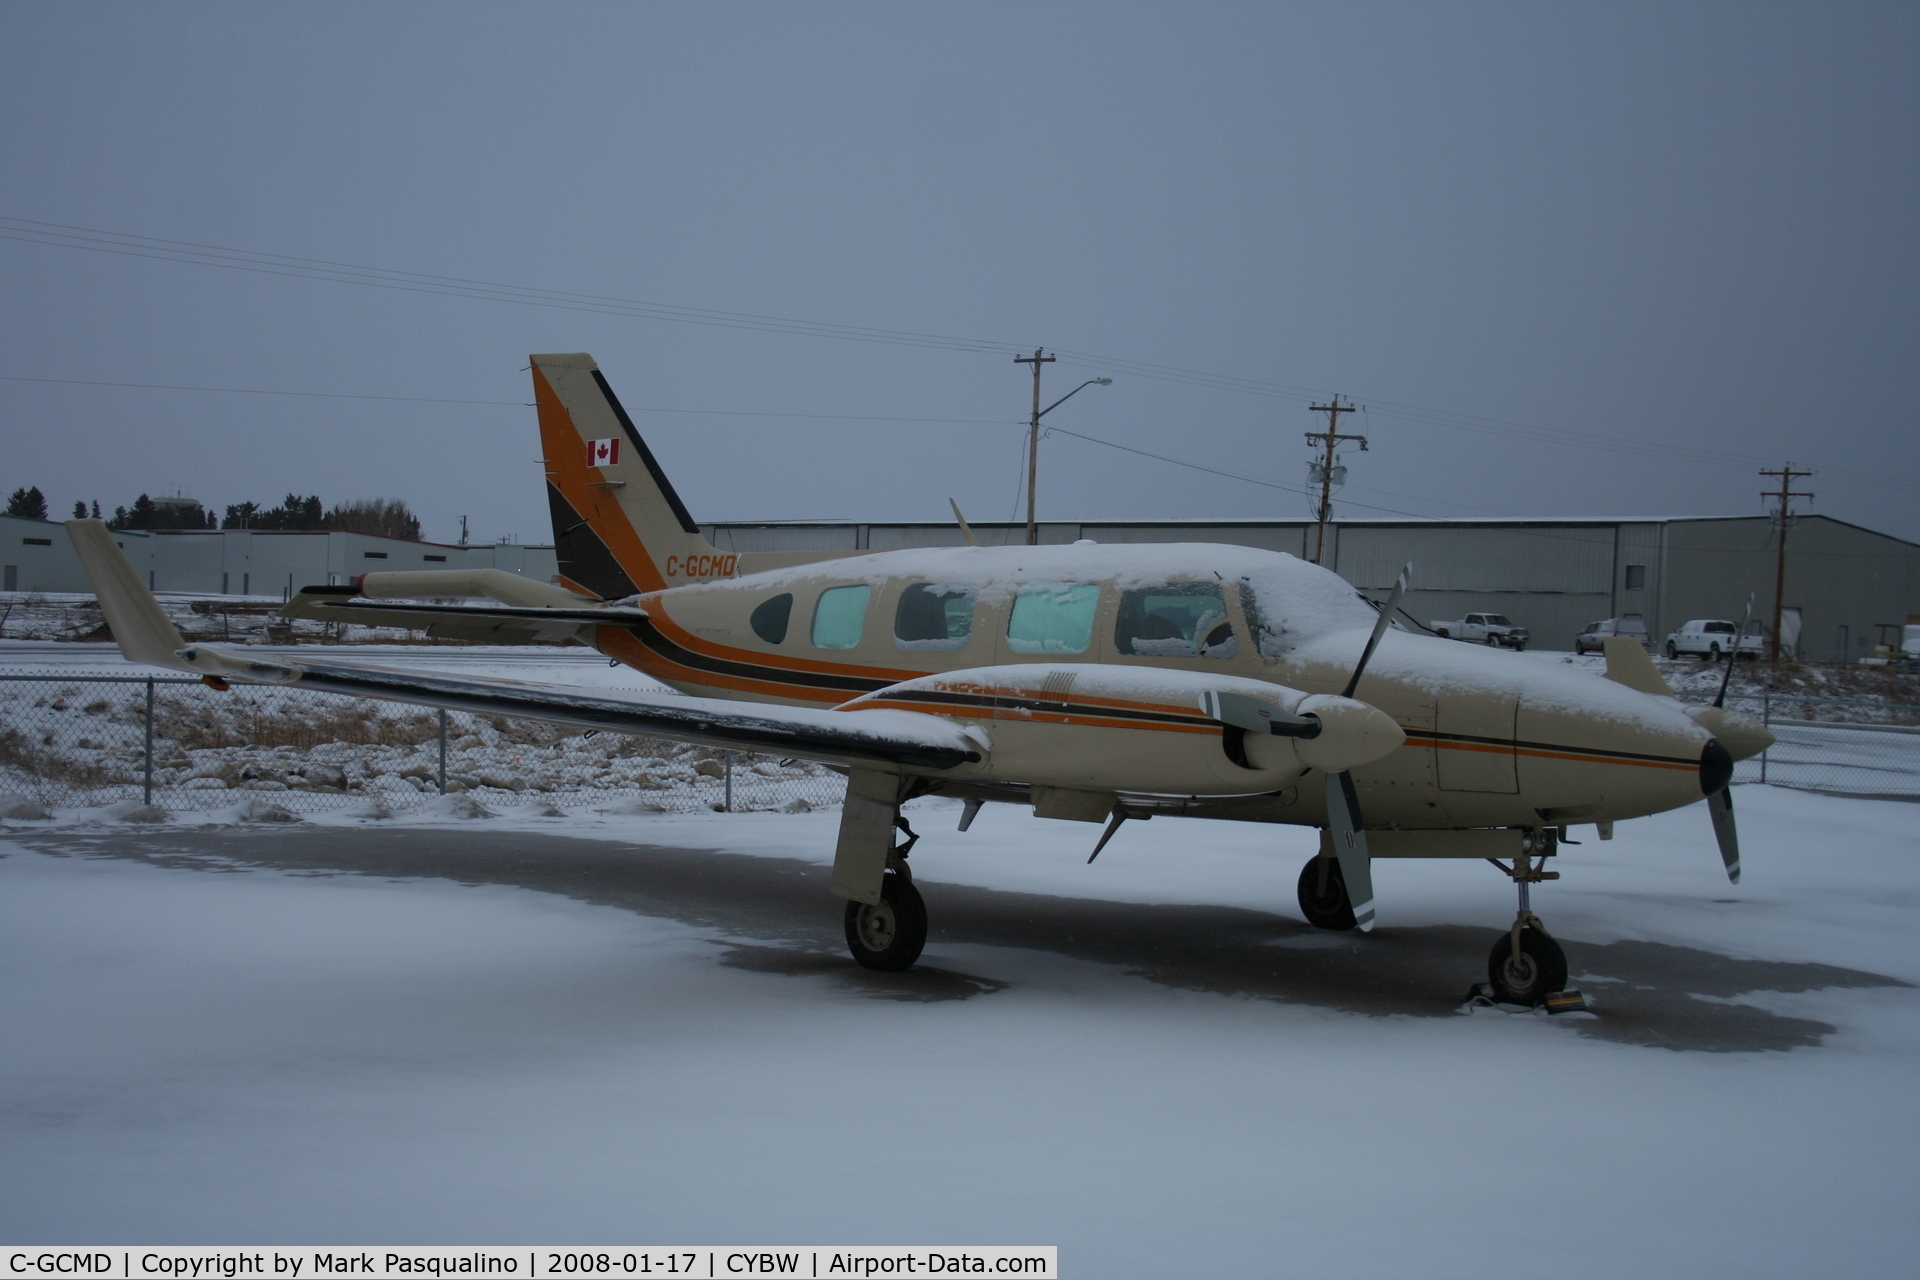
x: 30, y: 503
x: 79, y: 509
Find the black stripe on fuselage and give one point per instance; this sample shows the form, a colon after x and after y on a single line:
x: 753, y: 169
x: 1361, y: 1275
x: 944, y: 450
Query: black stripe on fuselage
x: 650, y: 636
x: 1519, y: 744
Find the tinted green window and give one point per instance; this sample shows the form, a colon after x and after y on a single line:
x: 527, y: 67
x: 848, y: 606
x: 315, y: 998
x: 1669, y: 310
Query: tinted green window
x: 838, y: 617
x: 769, y: 619
x: 934, y: 615
x: 1053, y: 617
x: 1175, y: 620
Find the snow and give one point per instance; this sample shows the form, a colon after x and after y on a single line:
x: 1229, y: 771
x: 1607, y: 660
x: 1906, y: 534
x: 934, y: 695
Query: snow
x: 609, y: 1028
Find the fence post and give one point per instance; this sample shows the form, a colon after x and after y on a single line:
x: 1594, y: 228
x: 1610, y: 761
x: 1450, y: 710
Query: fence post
x: 729, y: 802
x: 1766, y: 717
x: 146, y: 788
x: 443, y: 751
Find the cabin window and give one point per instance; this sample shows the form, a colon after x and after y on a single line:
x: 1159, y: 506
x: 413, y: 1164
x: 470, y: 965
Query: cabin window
x: 1053, y: 617
x: 1175, y: 620
x: 1636, y: 577
x: 769, y: 618
x: 934, y: 616
x: 839, y: 616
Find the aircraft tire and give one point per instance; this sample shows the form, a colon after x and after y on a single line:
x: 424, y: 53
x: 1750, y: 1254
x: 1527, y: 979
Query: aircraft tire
x: 1539, y: 971
x: 1331, y: 910
x: 888, y: 936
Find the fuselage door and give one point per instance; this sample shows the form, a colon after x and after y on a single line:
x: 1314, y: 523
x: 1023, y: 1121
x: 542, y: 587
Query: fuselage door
x: 1474, y: 751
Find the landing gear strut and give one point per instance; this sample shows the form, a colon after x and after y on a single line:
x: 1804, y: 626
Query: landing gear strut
x: 888, y: 935
x: 1527, y: 965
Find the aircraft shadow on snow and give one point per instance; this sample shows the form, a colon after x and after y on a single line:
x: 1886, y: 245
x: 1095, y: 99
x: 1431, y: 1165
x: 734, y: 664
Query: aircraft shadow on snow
x: 781, y: 921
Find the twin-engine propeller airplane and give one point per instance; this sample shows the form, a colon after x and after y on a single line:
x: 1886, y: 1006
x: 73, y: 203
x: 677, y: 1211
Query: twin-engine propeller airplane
x: 1094, y: 683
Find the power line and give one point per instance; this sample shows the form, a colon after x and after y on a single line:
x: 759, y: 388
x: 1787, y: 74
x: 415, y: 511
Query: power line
x: 93, y: 239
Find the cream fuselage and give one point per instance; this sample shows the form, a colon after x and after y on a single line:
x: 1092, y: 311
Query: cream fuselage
x: 1492, y: 738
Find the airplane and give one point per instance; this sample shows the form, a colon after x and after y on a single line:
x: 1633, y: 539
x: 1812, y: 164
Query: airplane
x: 1094, y: 683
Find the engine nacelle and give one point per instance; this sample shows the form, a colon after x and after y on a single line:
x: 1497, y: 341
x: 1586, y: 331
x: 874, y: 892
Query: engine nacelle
x: 1102, y: 727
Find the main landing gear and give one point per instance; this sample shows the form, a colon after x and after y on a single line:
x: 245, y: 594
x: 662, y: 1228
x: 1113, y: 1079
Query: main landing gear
x: 888, y: 935
x: 1526, y: 966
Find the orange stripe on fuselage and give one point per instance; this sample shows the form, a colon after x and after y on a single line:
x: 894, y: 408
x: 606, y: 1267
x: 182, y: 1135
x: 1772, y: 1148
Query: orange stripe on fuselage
x: 565, y: 452
x: 658, y: 615
x: 1028, y: 716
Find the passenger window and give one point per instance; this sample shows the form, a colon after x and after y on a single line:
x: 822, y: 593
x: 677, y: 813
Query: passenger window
x: 1175, y: 620
x: 934, y: 616
x: 839, y: 616
x: 1053, y: 617
x: 769, y: 619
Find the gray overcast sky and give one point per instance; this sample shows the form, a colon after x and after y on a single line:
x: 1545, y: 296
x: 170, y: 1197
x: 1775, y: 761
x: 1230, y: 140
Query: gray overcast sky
x: 1576, y: 259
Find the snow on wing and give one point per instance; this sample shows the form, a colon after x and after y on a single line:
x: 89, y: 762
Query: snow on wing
x: 904, y: 738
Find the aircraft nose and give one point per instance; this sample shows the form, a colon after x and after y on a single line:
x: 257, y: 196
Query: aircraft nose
x: 1716, y: 767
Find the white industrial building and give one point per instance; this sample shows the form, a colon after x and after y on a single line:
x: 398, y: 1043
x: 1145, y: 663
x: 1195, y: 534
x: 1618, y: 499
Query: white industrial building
x: 36, y: 556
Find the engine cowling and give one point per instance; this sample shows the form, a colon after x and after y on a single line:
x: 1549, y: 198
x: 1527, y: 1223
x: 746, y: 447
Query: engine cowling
x: 1104, y: 727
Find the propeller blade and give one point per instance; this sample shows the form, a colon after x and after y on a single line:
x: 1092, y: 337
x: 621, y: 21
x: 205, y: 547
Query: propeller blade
x: 1733, y: 655
x: 1350, y: 846
x: 1720, y: 805
x: 1379, y: 629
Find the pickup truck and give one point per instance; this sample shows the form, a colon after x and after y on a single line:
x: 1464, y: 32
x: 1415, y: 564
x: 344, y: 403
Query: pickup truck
x: 1483, y: 628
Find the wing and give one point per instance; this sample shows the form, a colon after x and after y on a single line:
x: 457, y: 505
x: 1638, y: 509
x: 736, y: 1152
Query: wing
x: 903, y: 738
x: 881, y: 736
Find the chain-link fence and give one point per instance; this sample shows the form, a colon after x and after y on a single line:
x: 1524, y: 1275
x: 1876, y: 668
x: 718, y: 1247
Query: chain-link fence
x: 172, y: 742
x: 1847, y: 746
x: 85, y: 741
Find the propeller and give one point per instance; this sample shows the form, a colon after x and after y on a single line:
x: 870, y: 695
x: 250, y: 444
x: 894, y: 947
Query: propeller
x: 1344, y: 824
x: 1720, y: 803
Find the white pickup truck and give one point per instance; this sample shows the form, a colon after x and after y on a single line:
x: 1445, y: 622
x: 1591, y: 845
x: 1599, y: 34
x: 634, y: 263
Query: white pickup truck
x: 1483, y: 628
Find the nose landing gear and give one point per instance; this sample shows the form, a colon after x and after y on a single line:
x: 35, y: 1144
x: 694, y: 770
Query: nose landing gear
x: 1527, y: 967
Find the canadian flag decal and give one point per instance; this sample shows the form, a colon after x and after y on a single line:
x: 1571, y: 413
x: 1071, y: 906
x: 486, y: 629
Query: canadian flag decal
x: 603, y: 453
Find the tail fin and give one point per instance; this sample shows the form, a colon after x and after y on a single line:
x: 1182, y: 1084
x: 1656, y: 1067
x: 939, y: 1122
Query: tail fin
x: 139, y: 625
x: 618, y: 526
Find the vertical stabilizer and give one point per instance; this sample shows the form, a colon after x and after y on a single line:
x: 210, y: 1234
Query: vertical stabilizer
x: 140, y: 627
x: 618, y: 526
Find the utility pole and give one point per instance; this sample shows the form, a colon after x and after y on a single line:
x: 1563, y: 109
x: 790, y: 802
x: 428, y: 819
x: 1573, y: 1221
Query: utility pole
x: 1037, y: 359
x: 1785, y: 495
x: 1332, y: 438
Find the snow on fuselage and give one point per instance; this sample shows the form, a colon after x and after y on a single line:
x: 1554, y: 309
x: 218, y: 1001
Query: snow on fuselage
x: 1493, y: 738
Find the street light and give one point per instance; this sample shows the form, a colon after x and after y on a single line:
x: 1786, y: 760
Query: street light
x: 1033, y: 430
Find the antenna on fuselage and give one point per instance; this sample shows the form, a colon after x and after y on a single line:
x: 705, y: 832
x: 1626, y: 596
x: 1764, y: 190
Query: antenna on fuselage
x: 965, y: 528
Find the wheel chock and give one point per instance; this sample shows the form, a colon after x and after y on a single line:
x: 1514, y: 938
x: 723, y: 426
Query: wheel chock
x: 1566, y: 1002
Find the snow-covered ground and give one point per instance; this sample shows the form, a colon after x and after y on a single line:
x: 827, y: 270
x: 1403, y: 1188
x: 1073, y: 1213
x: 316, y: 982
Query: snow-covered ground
x: 625, y: 1029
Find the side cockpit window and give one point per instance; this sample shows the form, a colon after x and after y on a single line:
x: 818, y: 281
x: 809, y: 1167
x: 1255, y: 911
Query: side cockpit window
x: 769, y: 618
x: 1175, y: 620
x: 935, y: 616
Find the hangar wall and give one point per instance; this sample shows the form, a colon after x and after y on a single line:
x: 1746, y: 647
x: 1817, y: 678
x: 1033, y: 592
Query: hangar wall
x: 35, y: 555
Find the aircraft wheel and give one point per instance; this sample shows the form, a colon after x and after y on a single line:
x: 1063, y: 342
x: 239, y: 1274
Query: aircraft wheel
x: 1328, y: 909
x: 1530, y: 977
x: 888, y: 935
